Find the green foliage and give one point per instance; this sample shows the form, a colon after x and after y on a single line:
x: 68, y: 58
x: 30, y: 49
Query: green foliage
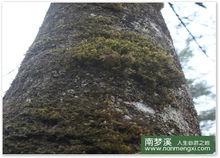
x: 207, y: 115
x: 185, y: 55
x: 197, y: 89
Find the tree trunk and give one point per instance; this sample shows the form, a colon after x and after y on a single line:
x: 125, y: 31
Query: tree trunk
x: 96, y: 78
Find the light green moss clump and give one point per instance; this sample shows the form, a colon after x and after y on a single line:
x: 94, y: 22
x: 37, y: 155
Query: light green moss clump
x: 124, y: 53
x: 130, y: 55
x: 114, y: 6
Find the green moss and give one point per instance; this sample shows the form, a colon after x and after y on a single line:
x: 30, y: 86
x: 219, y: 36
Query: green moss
x: 101, y: 20
x: 114, y: 6
x: 94, y: 26
x: 124, y: 52
x: 130, y: 55
x: 90, y: 123
x: 46, y: 115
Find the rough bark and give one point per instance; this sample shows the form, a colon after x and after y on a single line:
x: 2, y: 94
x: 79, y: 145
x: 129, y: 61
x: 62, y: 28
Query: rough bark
x: 96, y: 78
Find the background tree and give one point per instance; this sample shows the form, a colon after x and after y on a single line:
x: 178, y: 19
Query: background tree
x: 198, y: 41
x: 198, y: 89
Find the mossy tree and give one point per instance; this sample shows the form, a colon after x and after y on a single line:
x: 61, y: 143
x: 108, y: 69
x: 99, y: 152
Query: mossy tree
x: 96, y: 78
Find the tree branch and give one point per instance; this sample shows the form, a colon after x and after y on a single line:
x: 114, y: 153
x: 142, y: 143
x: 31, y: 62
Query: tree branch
x: 193, y: 37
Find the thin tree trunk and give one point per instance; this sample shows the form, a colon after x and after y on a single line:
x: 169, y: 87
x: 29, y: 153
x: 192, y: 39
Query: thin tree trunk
x: 96, y: 78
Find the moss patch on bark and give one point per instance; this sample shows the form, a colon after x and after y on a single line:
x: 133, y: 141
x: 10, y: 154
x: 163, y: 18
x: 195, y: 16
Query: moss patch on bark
x: 78, y: 98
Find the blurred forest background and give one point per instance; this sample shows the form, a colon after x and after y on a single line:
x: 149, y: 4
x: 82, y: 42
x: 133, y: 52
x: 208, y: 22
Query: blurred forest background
x: 196, y: 48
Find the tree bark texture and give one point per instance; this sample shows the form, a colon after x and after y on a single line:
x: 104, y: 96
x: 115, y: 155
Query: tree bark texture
x: 96, y: 78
